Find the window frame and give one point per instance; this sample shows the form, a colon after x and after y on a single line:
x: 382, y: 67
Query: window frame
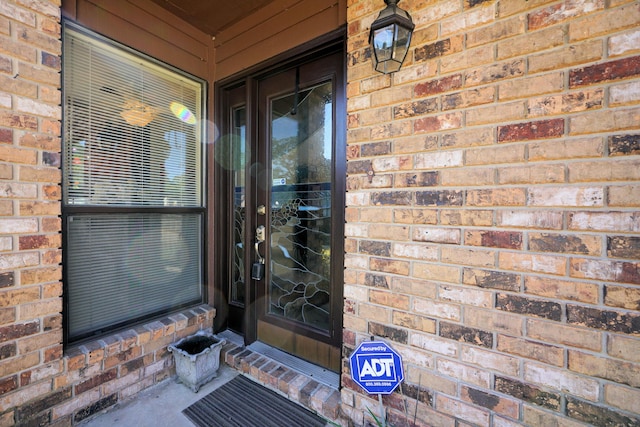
x: 69, y: 210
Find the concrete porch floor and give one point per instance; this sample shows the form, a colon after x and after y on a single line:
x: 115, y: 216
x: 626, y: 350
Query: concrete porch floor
x: 162, y: 404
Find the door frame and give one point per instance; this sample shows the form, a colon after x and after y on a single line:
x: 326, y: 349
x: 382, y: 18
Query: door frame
x: 221, y: 196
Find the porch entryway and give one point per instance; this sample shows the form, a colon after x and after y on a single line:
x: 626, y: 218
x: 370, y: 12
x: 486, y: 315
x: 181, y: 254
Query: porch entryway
x: 163, y: 403
x: 280, y: 168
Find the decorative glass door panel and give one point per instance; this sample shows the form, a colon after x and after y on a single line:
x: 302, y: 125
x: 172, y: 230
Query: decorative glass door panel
x: 238, y: 157
x: 300, y: 226
x: 281, y: 249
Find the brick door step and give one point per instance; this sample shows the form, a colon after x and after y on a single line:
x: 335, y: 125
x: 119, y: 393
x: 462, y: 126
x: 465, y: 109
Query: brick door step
x: 302, y: 389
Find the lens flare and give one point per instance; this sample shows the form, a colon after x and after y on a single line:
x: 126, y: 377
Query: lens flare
x: 182, y: 113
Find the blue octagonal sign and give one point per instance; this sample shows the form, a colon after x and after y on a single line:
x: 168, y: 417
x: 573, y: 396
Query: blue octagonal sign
x: 376, y: 367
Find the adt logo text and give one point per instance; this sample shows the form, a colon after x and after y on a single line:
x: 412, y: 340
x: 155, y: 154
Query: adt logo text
x: 377, y: 368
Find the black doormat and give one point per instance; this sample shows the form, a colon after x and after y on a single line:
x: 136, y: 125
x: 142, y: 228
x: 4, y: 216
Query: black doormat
x: 244, y: 403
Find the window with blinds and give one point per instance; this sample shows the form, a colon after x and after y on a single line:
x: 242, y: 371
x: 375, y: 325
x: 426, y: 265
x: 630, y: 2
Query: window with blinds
x: 133, y: 204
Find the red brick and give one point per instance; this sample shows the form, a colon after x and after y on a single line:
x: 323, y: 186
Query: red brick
x: 18, y: 121
x: 433, y: 87
x: 613, y: 70
x: 532, y: 130
x: 8, y: 384
x: 438, y: 123
x: 6, y: 136
x: 494, y: 239
x: 39, y: 242
x: 12, y: 332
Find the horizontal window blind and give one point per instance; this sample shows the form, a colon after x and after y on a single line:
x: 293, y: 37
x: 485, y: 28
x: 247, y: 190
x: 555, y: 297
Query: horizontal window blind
x: 133, y: 203
x: 123, y: 267
x: 132, y: 134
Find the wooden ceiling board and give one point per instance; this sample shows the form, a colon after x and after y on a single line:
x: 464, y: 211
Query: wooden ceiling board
x: 212, y: 16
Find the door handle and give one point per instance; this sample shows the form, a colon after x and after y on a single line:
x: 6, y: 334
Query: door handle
x: 257, y: 269
x: 260, y: 231
x: 260, y: 237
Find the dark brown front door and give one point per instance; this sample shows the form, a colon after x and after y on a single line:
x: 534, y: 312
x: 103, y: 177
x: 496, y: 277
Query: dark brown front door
x: 287, y: 162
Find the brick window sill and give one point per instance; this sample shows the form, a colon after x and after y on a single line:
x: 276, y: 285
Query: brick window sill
x: 140, y: 339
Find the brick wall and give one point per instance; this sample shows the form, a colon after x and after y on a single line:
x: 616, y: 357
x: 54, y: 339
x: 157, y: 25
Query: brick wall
x: 493, y: 231
x: 39, y: 383
x: 493, y: 225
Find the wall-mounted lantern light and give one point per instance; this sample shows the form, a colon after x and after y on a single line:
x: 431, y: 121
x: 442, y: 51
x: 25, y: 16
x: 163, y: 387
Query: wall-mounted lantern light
x: 390, y: 37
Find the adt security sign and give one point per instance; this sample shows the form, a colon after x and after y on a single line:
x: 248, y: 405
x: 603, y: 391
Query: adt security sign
x: 376, y: 367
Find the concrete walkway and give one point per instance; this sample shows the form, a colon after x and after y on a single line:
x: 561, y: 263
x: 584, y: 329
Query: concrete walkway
x: 160, y: 405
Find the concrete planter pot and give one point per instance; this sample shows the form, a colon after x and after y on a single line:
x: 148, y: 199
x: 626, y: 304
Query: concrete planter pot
x: 197, y: 359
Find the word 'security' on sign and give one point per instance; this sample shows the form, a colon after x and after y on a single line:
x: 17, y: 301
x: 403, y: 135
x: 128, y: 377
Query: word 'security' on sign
x: 376, y: 367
